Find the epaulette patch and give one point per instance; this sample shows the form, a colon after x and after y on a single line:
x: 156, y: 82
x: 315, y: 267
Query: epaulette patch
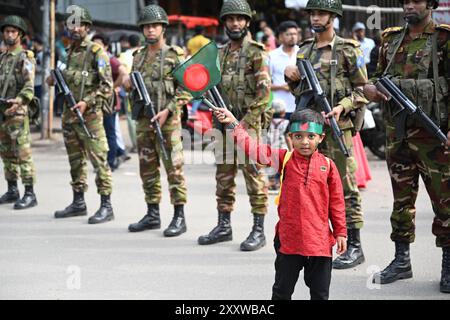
x: 443, y: 26
x: 96, y: 48
x: 138, y: 51
x: 179, y: 51
x: 353, y: 42
x: 388, y: 31
x: 257, y: 44
x: 306, y: 41
x: 30, y: 54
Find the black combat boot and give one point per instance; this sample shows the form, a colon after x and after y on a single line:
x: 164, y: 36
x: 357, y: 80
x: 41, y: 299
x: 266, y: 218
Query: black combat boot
x: 76, y: 208
x: 178, y: 224
x: 354, y: 254
x: 12, y: 195
x: 221, y: 232
x: 445, y: 274
x: 256, y: 239
x: 29, y: 199
x: 104, y: 213
x: 399, y: 268
x: 150, y: 221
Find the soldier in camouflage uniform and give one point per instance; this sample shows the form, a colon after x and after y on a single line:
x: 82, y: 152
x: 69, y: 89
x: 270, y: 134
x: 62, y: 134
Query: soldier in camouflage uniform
x: 89, y: 77
x: 418, y: 58
x: 340, y: 68
x: 246, y: 88
x: 17, y: 67
x: 155, y: 61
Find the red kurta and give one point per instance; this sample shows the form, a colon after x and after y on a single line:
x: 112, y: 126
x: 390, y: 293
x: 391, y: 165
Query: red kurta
x: 311, y: 198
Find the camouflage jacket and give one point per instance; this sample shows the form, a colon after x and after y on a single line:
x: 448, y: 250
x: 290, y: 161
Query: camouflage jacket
x: 248, y: 91
x: 412, y: 68
x: 21, y: 83
x: 98, y: 80
x: 351, y: 74
x: 164, y: 91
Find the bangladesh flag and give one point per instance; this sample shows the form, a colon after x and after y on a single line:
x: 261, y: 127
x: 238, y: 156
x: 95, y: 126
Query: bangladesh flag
x: 201, y: 72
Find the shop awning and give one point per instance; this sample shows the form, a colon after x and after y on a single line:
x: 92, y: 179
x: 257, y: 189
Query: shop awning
x: 191, y: 21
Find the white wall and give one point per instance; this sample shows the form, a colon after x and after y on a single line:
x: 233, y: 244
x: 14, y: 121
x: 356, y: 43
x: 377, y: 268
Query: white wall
x: 119, y: 11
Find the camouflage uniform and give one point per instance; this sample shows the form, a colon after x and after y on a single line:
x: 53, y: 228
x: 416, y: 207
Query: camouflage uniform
x: 97, y: 92
x: 245, y: 88
x: 165, y: 93
x: 15, y: 138
x: 351, y: 73
x: 414, y: 151
x: 155, y: 62
x: 249, y: 96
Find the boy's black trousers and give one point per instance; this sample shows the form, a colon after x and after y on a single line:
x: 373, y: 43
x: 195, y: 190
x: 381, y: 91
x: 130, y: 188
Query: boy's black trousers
x: 317, y: 274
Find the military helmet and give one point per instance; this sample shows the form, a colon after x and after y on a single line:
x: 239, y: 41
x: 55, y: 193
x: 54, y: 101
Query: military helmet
x: 14, y: 21
x: 333, y: 6
x: 435, y: 3
x: 240, y: 7
x: 153, y: 14
x: 82, y: 12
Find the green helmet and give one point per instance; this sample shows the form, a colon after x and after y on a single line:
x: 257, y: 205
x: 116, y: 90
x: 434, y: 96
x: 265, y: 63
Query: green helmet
x: 153, y: 14
x: 240, y: 7
x: 81, y: 12
x: 14, y: 21
x: 333, y: 6
x: 435, y: 3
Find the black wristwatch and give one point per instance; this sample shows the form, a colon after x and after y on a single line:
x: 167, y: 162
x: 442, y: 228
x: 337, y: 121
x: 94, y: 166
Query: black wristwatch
x: 232, y: 125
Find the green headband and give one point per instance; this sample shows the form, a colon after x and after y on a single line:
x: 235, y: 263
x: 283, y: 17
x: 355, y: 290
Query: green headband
x: 312, y: 127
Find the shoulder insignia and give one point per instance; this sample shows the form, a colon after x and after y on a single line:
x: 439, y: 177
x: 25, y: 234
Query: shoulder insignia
x: 391, y: 30
x: 179, y: 51
x: 443, y: 26
x: 352, y: 42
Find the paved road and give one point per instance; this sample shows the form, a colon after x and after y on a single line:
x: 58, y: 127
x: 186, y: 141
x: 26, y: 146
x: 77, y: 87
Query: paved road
x: 41, y: 257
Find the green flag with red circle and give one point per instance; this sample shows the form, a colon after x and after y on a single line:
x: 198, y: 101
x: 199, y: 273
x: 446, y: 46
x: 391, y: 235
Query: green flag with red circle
x: 201, y: 72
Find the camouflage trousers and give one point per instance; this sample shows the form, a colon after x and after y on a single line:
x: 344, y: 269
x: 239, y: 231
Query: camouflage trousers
x: 347, y: 168
x: 228, y: 159
x: 420, y: 154
x: 149, y: 160
x: 15, y: 149
x: 80, y: 147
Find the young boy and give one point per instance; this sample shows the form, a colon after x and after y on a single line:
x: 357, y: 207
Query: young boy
x: 277, y: 140
x: 311, y: 196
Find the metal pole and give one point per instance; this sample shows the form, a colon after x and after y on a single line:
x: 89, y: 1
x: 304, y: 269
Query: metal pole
x: 45, y: 69
x: 52, y: 66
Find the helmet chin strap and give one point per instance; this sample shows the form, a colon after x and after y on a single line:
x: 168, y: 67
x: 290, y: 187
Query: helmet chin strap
x: 153, y: 41
x: 11, y: 42
x: 233, y: 35
x: 323, y: 28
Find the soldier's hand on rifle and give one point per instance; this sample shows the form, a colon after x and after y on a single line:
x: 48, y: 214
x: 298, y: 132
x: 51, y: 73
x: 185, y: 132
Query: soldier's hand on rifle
x: 82, y: 106
x: 341, y: 245
x: 127, y: 84
x: 14, y: 106
x: 336, y: 112
x: 292, y: 73
x: 161, y: 117
x: 447, y: 146
x: 372, y: 94
x: 50, y: 81
x: 224, y: 116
